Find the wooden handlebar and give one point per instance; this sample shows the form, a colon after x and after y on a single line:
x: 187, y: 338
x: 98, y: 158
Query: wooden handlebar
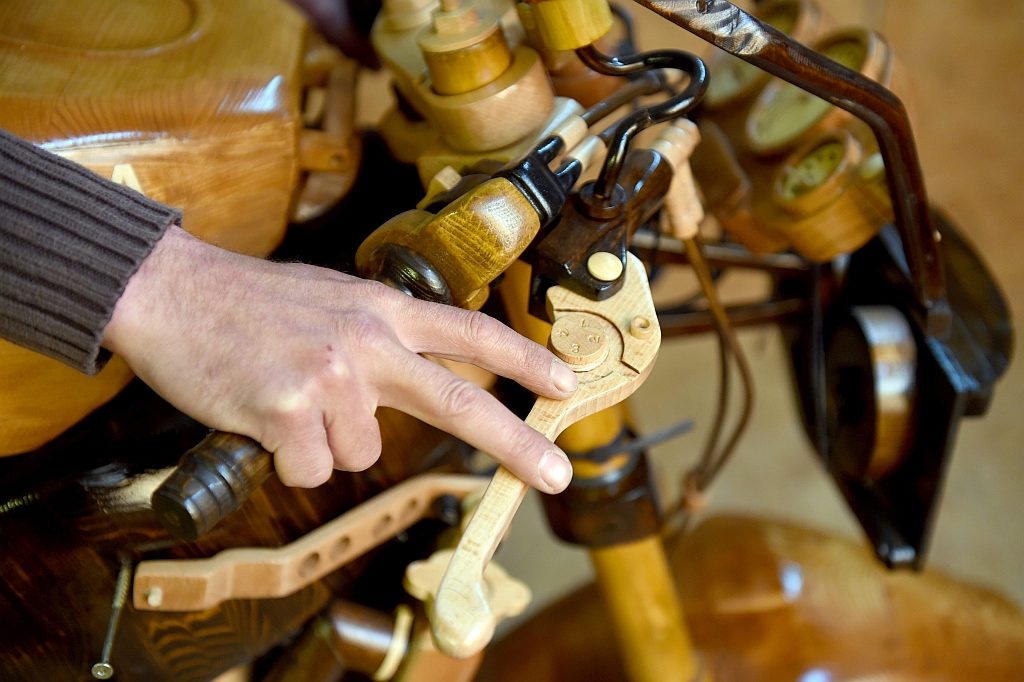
x: 212, y: 480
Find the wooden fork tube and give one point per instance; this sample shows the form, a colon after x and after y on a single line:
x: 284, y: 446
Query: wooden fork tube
x: 641, y: 598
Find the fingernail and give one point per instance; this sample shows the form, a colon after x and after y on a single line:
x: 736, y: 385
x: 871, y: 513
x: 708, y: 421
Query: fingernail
x: 563, y: 377
x: 555, y: 470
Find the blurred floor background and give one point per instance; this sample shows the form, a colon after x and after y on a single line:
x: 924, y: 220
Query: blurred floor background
x: 966, y: 60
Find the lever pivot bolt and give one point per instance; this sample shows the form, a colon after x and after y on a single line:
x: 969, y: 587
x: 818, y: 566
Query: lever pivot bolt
x: 580, y: 340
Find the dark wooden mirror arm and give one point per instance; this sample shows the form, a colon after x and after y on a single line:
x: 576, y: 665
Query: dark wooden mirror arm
x: 726, y: 26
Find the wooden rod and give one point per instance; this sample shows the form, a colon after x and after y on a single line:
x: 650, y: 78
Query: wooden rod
x: 648, y: 621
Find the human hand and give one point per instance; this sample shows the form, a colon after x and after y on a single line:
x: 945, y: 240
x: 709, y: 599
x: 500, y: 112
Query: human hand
x: 299, y: 357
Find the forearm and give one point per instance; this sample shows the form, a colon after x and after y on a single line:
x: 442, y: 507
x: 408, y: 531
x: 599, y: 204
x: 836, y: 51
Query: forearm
x: 69, y: 242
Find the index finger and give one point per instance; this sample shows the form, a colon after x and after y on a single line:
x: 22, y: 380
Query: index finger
x: 476, y: 338
x: 431, y: 393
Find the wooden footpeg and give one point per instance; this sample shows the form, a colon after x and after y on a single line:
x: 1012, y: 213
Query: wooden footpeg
x: 263, y: 573
x: 611, y: 344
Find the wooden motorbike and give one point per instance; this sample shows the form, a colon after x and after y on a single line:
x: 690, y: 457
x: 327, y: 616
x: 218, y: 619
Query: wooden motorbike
x: 180, y: 102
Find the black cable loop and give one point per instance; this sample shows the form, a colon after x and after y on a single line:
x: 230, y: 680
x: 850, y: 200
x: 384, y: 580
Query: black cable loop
x: 644, y: 117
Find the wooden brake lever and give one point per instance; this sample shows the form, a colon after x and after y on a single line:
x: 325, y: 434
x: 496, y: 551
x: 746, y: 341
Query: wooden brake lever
x: 611, y: 345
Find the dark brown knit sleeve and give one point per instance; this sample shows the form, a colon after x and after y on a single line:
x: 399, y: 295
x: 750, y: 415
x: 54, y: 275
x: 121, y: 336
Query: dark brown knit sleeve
x: 69, y: 242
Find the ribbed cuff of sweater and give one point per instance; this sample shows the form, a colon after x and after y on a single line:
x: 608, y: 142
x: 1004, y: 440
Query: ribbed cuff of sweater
x: 69, y: 242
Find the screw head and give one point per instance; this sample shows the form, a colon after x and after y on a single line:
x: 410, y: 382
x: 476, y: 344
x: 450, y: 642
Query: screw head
x: 102, y: 671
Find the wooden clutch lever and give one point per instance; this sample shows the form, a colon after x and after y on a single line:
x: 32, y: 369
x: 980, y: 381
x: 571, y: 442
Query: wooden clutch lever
x: 611, y: 344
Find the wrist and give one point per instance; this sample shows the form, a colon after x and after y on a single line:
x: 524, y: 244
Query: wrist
x: 159, y: 278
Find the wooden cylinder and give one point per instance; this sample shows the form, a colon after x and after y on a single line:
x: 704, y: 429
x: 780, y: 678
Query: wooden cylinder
x: 641, y: 599
x: 830, y: 208
x: 466, y: 68
x: 212, y: 480
x: 347, y: 637
x: 567, y: 24
x: 360, y: 636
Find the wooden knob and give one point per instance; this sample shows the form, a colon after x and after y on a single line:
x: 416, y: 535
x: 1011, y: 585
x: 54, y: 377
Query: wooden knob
x: 212, y: 480
x: 581, y: 340
x: 495, y: 597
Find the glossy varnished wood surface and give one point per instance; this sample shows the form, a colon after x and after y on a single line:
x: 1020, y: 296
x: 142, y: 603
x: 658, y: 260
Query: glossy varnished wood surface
x: 68, y: 516
x: 176, y: 98
x: 771, y: 601
x: 960, y: 58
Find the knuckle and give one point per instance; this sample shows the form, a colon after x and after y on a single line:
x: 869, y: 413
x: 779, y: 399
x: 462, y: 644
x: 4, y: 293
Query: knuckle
x: 458, y: 398
x: 519, y: 440
x: 356, y: 442
x: 481, y: 330
x: 289, y: 413
x: 382, y: 295
x: 360, y: 459
x: 302, y: 469
x: 529, y: 356
x: 364, y: 330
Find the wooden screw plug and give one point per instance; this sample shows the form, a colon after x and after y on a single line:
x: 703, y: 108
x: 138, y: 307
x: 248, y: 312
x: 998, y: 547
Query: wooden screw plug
x: 600, y: 341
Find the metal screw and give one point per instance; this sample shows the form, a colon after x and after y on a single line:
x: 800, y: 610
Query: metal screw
x: 103, y: 670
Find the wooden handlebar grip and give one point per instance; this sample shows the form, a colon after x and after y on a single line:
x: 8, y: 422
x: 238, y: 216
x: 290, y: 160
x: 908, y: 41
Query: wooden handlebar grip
x: 212, y: 480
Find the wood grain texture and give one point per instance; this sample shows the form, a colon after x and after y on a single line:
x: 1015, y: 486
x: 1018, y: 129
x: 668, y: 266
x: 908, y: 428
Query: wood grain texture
x: 264, y: 573
x: 469, y: 242
x: 756, y: 134
x: 476, y: 120
x: 68, y: 516
x: 506, y: 597
x: 481, y: 120
x: 462, y: 619
x: 203, y: 116
x: 839, y: 215
x: 784, y: 116
x: 769, y: 601
x: 570, y: 24
x: 641, y: 598
x: 338, y: 149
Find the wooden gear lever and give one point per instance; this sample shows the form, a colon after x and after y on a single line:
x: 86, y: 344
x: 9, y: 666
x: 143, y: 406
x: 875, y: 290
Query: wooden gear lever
x: 611, y: 344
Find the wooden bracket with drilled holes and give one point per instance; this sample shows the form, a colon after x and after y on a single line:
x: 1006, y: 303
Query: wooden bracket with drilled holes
x: 264, y: 573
